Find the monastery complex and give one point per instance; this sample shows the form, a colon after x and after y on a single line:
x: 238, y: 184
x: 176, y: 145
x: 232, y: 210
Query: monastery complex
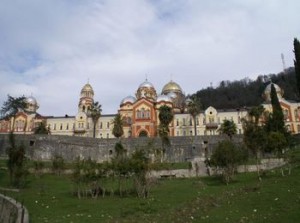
x: 140, y: 113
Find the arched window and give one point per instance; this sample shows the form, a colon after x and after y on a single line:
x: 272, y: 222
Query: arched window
x: 143, y: 134
x: 143, y: 114
x: 296, y: 114
x: 286, y: 114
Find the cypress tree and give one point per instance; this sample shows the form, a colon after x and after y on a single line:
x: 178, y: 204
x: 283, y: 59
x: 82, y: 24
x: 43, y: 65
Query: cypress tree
x: 297, y: 62
x: 277, y: 119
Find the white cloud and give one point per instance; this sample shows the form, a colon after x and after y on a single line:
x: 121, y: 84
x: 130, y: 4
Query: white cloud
x: 51, y: 48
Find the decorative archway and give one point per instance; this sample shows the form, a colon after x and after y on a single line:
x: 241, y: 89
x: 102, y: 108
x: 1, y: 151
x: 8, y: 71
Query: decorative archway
x: 143, y: 133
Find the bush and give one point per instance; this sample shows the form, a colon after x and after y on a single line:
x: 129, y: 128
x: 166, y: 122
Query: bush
x: 227, y: 156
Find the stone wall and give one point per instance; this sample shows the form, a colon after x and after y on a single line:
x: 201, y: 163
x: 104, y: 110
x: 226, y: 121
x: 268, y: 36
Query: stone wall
x: 12, y: 211
x: 44, y: 147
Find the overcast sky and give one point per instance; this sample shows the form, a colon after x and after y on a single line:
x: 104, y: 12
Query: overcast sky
x: 50, y: 49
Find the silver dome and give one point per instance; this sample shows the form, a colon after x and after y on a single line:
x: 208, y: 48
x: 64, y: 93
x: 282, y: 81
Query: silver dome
x: 163, y: 97
x: 172, y: 95
x: 128, y: 99
x: 31, y: 100
x: 146, y: 84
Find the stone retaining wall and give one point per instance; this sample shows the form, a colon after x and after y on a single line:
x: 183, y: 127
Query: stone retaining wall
x: 199, y: 169
x: 44, y: 147
x: 11, y: 211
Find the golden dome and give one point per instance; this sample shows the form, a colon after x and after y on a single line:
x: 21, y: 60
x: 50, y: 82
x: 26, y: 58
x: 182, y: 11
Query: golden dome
x: 87, y: 87
x: 171, y: 87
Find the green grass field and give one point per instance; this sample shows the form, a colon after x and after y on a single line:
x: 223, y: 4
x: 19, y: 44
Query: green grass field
x: 275, y: 199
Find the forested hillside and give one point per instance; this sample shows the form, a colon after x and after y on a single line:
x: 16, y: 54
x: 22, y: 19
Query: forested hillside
x: 246, y: 92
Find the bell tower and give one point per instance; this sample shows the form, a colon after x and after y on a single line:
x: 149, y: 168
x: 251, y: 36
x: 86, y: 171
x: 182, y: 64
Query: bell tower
x: 86, y: 98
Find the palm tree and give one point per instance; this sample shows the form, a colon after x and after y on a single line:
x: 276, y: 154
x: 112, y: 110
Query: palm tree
x: 11, y: 107
x: 228, y: 127
x: 118, y: 126
x: 194, y: 108
x: 256, y: 113
x: 95, y: 113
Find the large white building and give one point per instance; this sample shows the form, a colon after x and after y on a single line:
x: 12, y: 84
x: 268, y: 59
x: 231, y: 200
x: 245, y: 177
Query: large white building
x: 140, y: 113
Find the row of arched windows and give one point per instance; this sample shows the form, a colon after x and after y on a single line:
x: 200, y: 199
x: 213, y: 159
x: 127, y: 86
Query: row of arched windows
x: 143, y: 114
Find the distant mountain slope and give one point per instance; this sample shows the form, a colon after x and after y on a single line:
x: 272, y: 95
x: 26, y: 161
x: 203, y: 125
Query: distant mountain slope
x: 246, y: 92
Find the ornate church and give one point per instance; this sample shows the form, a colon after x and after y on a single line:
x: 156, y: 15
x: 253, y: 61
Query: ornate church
x: 140, y: 113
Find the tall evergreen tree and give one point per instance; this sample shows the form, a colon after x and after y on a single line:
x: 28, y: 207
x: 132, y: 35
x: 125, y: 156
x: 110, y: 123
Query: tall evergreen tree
x: 297, y: 62
x: 275, y: 122
x: 165, y: 117
x: 16, y: 162
x: 11, y: 107
x: 118, y: 126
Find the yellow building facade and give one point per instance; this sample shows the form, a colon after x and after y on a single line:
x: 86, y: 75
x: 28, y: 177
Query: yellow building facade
x: 140, y: 114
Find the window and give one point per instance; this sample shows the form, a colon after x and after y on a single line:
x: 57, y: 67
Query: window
x: 143, y: 114
x: 197, y: 121
x: 67, y: 127
x: 100, y: 125
x: 61, y: 126
x: 107, y: 135
x: 296, y: 114
x: 107, y: 125
x: 286, y: 114
x: 191, y: 122
x: 191, y: 132
x: 177, y: 133
x: 298, y: 128
x: 177, y: 122
x: 54, y: 128
x: 183, y: 121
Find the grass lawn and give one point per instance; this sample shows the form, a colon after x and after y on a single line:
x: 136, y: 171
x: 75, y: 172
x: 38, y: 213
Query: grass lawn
x: 275, y: 199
